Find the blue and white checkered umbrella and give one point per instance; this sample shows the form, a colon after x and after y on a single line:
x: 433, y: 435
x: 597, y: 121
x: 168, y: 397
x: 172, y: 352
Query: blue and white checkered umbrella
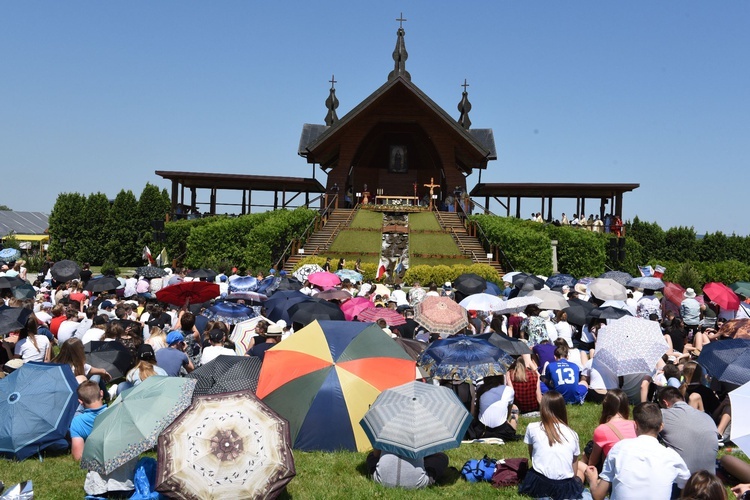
x: 561, y: 280
x: 229, y: 312
x: 630, y: 345
x: 10, y: 254
x: 390, y: 421
x: 349, y: 274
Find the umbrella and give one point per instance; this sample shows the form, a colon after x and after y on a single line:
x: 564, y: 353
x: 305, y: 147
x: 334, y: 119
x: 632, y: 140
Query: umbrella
x: 253, y: 298
x: 10, y: 282
x: 111, y: 356
x: 608, y: 289
x: 382, y: 290
x: 277, y: 306
x: 150, y: 272
x: 304, y: 271
x: 470, y: 283
x: 65, y: 270
x: 482, y: 302
x: 550, y: 299
x: 13, y: 319
x: 736, y: 328
x: 334, y: 294
x: 314, y: 309
x: 741, y: 288
x: 225, y: 446
x: 578, y: 310
x: 620, y: 277
x: 228, y: 312
x: 203, y: 274
x: 243, y: 332
x: 413, y: 348
x: 243, y: 284
x: 740, y: 433
x: 443, y: 420
x: 351, y: 308
x: 674, y: 293
x: 10, y: 254
x: 525, y: 281
x: 323, y: 379
x: 37, y: 404
x: 492, y: 289
x: 608, y: 313
x: 727, y: 360
x: 227, y: 374
x: 561, y: 280
x: 349, y: 274
x: 508, y: 277
x: 517, y: 304
x: 103, y: 284
x: 268, y: 284
x: 441, y: 315
x: 133, y: 422
x: 512, y: 346
x: 25, y: 291
x: 193, y: 291
x: 646, y: 283
x: 466, y: 359
x: 372, y: 314
x: 630, y: 345
x: 286, y: 284
x: 722, y: 295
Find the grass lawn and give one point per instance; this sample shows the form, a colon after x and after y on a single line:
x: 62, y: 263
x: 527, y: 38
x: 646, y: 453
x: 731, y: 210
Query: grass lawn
x: 322, y: 475
x: 367, y: 219
x: 425, y: 261
x: 432, y: 244
x: 423, y: 221
x: 353, y: 241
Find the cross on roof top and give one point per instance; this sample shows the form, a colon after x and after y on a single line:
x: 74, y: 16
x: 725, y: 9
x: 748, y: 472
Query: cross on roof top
x: 401, y: 20
x: 332, y: 81
x: 465, y: 85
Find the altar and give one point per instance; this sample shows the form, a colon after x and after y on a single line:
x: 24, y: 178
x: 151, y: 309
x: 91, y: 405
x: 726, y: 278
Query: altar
x: 396, y: 200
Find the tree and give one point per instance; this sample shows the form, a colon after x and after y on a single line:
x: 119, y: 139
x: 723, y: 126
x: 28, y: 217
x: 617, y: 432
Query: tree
x: 95, y: 237
x: 5, y: 208
x: 714, y: 247
x: 680, y: 244
x: 152, y: 206
x: 650, y: 236
x: 66, y: 224
x: 123, y: 231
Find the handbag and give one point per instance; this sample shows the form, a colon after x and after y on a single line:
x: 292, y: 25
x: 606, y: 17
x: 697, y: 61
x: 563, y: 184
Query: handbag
x: 510, y: 472
x: 477, y: 471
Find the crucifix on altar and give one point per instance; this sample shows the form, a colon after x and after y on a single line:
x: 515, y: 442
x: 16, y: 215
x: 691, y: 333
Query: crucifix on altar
x: 432, y: 187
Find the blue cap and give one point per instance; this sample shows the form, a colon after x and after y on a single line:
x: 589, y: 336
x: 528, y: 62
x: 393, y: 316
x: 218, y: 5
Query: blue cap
x: 175, y: 337
x: 272, y: 271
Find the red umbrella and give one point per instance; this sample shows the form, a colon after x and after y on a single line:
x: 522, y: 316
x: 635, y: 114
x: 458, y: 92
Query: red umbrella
x: 351, y: 308
x: 674, y: 293
x: 722, y: 295
x: 324, y: 279
x: 194, y: 291
x: 391, y: 317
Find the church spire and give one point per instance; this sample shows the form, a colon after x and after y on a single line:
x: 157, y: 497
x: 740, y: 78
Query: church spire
x: 464, y: 107
x: 331, y: 104
x: 399, y: 53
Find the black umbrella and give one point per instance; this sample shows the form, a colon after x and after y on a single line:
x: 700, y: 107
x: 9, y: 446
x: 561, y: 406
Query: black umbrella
x: 525, y: 281
x: 150, y: 272
x: 287, y: 284
x: 227, y: 374
x: 413, y: 348
x: 103, y: 284
x: 470, y: 283
x: 203, y: 274
x: 13, y: 319
x: 308, y: 311
x: 10, y: 281
x: 514, y: 347
x: 112, y: 356
x: 277, y: 306
x: 24, y: 291
x: 65, y: 270
x: 608, y: 312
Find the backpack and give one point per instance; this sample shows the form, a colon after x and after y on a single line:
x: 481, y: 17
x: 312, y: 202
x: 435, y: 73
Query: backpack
x: 477, y: 471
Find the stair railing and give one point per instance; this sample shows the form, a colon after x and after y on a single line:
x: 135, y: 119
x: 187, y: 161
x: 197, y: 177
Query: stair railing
x: 311, y: 228
x: 476, y: 230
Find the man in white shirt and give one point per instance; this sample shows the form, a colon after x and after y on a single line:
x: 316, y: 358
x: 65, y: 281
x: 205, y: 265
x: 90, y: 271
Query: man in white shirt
x: 216, y: 349
x: 640, y: 467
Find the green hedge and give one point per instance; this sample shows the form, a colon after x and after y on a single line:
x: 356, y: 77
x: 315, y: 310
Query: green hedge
x: 525, y: 243
x: 440, y: 274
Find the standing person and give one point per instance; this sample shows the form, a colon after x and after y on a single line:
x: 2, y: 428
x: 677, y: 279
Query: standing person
x: 341, y: 264
x: 554, y: 451
x: 86, y: 273
x: 358, y: 266
x: 640, y: 467
x: 327, y: 265
x: 690, y: 312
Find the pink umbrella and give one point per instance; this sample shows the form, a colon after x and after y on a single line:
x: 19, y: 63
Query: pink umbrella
x: 391, y: 317
x: 351, y: 308
x: 324, y: 279
x: 722, y: 295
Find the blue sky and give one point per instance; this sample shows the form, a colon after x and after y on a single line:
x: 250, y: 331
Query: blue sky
x: 96, y: 96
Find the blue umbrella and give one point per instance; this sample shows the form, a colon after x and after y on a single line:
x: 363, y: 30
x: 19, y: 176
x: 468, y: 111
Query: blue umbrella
x: 727, y: 360
x: 349, y: 274
x: 229, y: 312
x: 37, y: 404
x: 277, y: 306
x: 492, y: 289
x: 268, y: 284
x: 646, y: 282
x: 619, y: 276
x: 561, y: 280
x: 10, y: 254
x: 243, y: 284
x: 464, y: 358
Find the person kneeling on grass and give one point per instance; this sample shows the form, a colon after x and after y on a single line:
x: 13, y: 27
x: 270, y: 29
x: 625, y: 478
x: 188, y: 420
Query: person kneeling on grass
x: 396, y: 471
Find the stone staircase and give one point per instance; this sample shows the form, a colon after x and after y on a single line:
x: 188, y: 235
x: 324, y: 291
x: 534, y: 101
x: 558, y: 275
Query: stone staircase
x: 469, y: 245
x: 320, y: 241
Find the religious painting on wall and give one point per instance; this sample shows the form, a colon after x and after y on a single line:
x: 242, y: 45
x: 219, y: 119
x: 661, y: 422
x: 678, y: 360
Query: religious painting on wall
x: 398, y: 161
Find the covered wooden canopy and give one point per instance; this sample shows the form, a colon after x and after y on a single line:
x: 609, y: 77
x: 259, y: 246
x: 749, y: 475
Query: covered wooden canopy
x: 289, y: 187
x: 606, y: 194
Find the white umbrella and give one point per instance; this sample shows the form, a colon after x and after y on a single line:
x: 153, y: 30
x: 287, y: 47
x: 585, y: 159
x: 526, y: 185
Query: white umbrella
x: 517, y: 304
x: 630, y: 345
x: 550, y: 299
x: 508, y: 277
x: 740, y: 434
x: 607, y: 289
x: 481, y: 302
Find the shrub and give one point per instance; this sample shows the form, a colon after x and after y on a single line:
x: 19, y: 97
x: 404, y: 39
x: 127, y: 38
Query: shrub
x: 109, y: 267
x: 727, y: 271
x: 579, y: 252
x: 524, y: 242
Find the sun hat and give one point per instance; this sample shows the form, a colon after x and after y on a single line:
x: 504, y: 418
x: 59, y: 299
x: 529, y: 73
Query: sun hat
x: 581, y: 288
x: 274, y: 330
x: 175, y: 338
x: 689, y: 293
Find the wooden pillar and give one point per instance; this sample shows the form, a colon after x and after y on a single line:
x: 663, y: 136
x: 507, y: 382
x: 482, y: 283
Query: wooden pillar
x: 542, y: 211
x: 578, y: 206
x: 244, y: 201
x: 192, y: 199
x: 175, y: 191
x: 249, y: 201
x: 549, y: 209
x: 213, y: 201
x: 518, y: 207
x: 307, y: 199
x: 602, y: 208
x: 275, y: 200
x: 283, y: 199
x: 618, y: 205
x: 583, y: 207
x: 487, y: 205
x: 507, y: 206
x: 182, y: 195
